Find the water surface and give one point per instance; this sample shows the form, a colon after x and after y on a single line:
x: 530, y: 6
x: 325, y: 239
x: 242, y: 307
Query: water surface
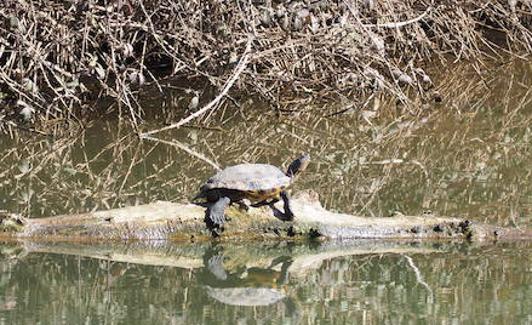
x: 469, y: 155
x: 342, y: 283
x: 475, y: 164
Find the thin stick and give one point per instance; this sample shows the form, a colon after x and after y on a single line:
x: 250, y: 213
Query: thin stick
x: 185, y: 148
x: 239, y: 68
x: 399, y: 24
x: 419, y: 277
x: 29, y: 129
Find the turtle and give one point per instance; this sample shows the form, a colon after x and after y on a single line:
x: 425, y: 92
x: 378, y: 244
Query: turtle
x: 260, y: 184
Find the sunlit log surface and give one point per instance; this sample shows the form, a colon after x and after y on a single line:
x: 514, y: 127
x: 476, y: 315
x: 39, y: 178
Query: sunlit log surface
x: 185, y: 222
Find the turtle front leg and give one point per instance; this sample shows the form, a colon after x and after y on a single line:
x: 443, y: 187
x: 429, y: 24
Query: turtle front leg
x: 215, y: 216
x: 288, y: 214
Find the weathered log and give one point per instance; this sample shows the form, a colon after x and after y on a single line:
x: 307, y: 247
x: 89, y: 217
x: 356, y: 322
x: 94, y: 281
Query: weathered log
x: 185, y: 222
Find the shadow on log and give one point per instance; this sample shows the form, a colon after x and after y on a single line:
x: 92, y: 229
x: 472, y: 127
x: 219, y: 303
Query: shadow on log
x: 185, y: 222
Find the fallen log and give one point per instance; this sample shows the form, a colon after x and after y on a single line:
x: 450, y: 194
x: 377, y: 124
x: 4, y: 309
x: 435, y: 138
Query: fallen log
x: 185, y: 222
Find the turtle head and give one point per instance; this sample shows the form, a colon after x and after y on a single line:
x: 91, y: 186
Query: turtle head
x: 298, y: 165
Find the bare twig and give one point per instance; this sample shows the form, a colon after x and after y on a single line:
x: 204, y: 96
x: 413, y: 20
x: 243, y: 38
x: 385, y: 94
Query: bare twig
x: 51, y: 54
x: 185, y: 148
x: 238, y: 70
x: 417, y: 272
x: 401, y: 23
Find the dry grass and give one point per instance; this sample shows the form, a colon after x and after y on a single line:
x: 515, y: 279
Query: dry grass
x: 56, y: 57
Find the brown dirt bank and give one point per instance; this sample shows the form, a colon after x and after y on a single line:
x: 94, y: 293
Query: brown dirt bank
x: 57, y: 56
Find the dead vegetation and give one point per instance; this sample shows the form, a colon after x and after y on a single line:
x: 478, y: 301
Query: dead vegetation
x: 56, y: 57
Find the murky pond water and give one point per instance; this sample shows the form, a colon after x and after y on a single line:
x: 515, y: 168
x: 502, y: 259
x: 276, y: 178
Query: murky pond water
x: 470, y: 155
x: 340, y: 283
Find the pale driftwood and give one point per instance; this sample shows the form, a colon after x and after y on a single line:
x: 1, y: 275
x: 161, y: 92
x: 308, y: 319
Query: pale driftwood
x: 185, y: 222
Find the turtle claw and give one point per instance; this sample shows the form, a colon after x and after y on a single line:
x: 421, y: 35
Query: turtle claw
x: 283, y: 216
x: 288, y: 216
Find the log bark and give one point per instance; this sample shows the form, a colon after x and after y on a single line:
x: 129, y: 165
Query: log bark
x: 185, y: 222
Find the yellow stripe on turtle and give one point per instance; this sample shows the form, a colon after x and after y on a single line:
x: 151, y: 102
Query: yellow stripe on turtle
x: 262, y: 195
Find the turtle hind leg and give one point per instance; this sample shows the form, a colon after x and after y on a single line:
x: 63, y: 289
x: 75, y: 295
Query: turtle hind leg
x: 215, y: 214
x: 288, y: 214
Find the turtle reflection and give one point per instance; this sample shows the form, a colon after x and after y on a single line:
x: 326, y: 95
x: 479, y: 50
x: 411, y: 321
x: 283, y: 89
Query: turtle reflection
x: 242, y: 285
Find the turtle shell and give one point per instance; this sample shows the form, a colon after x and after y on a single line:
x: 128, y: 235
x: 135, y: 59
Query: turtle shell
x: 249, y: 178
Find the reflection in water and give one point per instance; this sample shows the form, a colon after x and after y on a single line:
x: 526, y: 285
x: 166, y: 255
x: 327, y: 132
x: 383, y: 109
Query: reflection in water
x: 470, y: 155
x: 246, y: 296
x: 353, y: 282
x: 449, y: 163
x: 244, y: 286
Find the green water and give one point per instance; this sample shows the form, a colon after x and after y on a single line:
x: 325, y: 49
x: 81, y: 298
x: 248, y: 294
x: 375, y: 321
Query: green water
x: 348, y: 283
x: 469, y: 156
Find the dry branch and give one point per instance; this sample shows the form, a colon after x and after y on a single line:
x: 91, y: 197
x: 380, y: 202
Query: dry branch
x: 399, y: 24
x: 238, y: 70
x: 185, y: 148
